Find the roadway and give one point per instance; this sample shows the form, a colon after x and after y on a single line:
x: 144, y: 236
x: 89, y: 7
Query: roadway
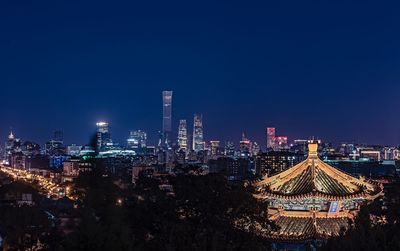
x: 45, y: 185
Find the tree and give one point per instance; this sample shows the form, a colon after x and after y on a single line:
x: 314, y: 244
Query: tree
x: 103, y: 222
x: 199, y: 216
x: 380, y: 233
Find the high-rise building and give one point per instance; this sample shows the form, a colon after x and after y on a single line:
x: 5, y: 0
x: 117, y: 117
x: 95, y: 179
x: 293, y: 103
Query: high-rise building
x: 137, y: 140
x: 30, y: 148
x: 182, y: 136
x: 281, y: 143
x: 229, y: 149
x: 103, y: 135
x: 274, y: 162
x: 9, y: 147
x: 233, y: 168
x: 276, y: 143
x: 270, y: 137
x: 388, y: 153
x: 55, y: 146
x: 215, y: 150
x: 299, y: 146
x: 74, y: 150
x: 198, y: 141
x: 167, y: 117
x: 255, y: 149
x: 245, y: 147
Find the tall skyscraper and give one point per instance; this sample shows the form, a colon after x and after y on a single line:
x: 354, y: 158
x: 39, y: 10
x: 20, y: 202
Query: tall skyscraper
x: 271, y: 138
x: 103, y: 135
x: 182, y: 135
x: 167, y: 117
x: 198, y: 141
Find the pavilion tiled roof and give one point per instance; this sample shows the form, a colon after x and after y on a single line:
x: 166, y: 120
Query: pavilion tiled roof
x: 315, y: 176
x: 303, y: 228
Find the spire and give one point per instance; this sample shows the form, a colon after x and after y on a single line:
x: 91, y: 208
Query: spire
x: 11, y: 136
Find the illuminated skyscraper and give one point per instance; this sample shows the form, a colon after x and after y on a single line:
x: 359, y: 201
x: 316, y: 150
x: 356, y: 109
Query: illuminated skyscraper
x: 198, y: 142
x: 182, y: 136
x: 167, y: 117
x: 255, y: 149
x: 229, y: 149
x: 9, y: 147
x: 271, y: 138
x: 103, y: 135
x: 245, y: 146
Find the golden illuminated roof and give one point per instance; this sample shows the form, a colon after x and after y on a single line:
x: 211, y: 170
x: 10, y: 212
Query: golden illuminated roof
x: 298, y: 228
x: 315, y: 176
x: 303, y: 228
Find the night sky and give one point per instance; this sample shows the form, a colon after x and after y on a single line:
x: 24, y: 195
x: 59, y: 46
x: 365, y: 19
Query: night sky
x: 326, y: 70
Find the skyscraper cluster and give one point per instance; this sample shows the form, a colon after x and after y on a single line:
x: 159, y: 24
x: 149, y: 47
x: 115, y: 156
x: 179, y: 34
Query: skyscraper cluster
x: 198, y: 143
x: 186, y: 147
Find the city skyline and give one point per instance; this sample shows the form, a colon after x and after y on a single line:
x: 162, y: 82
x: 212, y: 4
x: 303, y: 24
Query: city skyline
x: 168, y: 125
x: 244, y: 69
x: 183, y: 125
x: 175, y: 137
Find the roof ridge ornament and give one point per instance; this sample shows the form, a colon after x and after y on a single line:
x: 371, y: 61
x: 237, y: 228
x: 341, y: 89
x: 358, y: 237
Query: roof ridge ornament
x: 313, y: 149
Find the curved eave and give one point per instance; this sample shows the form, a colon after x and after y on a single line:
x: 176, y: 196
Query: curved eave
x: 363, y: 195
x: 300, y: 238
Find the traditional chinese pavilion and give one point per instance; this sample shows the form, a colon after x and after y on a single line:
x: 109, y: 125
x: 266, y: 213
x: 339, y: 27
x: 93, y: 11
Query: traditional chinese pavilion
x: 313, y: 199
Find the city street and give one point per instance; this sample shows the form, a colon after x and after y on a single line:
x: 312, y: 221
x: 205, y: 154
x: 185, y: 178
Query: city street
x: 44, y: 185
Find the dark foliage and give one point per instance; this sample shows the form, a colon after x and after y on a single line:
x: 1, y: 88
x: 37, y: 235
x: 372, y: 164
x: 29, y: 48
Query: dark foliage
x: 103, y: 223
x: 376, y: 228
x: 23, y: 226
x: 198, y: 215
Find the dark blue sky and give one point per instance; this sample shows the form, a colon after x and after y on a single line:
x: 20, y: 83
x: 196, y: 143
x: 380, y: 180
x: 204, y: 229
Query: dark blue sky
x: 328, y: 70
